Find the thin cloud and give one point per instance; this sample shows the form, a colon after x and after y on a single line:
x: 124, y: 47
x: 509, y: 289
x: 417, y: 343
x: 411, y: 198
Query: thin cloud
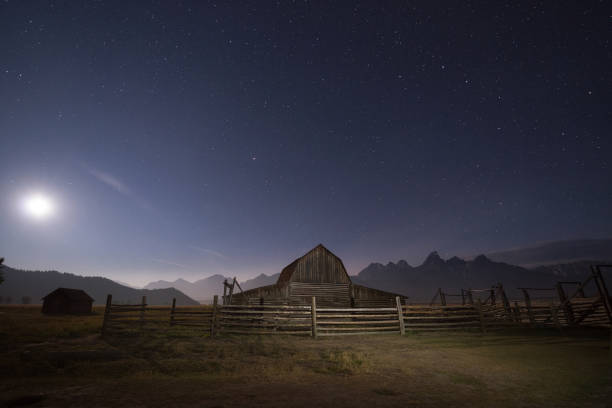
x: 118, y: 186
x: 166, y: 262
x: 111, y: 181
x: 208, y: 251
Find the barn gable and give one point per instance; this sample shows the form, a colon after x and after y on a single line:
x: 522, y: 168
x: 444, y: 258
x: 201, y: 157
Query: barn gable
x: 70, y: 294
x: 319, y: 265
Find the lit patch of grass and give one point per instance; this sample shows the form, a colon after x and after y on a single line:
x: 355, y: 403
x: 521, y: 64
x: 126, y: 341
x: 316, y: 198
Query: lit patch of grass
x: 343, y: 362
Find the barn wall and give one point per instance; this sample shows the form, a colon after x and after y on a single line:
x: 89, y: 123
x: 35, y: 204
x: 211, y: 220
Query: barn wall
x: 53, y: 305
x: 265, y: 295
x: 60, y: 305
x: 79, y: 307
x: 320, y: 266
x: 369, y: 297
x: 327, y: 294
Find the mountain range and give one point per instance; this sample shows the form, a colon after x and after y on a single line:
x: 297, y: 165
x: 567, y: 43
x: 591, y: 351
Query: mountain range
x: 202, y: 290
x: 535, y: 266
x: 36, y: 284
x: 421, y: 282
x: 539, y: 265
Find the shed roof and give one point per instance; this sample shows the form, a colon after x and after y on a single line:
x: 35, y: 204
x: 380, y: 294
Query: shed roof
x: 71, y: 294
x: 285, y: 275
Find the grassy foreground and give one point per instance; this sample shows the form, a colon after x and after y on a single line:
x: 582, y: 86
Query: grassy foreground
x: 62, y: 361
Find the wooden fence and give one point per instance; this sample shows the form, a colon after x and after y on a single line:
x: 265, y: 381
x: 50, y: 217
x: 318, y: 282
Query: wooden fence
x: 135, y: 317
x: 557, y: 309
x: 300, y: 320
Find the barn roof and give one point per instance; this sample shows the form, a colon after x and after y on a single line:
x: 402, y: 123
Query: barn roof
x: 285, y: 275
x: 71, y: 294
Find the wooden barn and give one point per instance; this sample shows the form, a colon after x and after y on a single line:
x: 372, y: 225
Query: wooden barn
x: 67, y: 301
x: 318, y: 273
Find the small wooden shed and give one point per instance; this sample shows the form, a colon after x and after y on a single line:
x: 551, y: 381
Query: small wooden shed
x: 317, y: 273
x: 67, y: 301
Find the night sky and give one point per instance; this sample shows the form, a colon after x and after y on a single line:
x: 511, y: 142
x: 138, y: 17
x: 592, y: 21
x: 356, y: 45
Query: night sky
x: 182, y: 139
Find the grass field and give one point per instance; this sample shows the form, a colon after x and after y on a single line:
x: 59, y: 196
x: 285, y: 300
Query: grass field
x: 62, y: 361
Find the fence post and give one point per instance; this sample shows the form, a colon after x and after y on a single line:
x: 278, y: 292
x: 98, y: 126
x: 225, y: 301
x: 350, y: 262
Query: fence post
x: 142, y: 311
x: 172, y: 311
x: 470, y: 298
x: 567, y: 308
x: 480, y: 315
x: 442, y: 297
x: 603, y: 291
x: 433, y: 300
x: 555, y: 316
x: 505, y: 302
x: 528, y: 304
x: 517, y: 313
x: 313, y: 312
x: 213, y: 319
x: 107, y: 312
x: 400, y: 315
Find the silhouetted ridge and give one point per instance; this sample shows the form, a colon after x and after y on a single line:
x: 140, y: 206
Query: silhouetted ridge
x: 433, y: 259
x: 420, y: 282
x: 36, y: 284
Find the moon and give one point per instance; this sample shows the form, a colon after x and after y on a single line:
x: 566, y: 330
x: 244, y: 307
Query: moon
x: 38, y: 206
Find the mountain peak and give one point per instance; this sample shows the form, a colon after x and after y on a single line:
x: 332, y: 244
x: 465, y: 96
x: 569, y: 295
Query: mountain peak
x: 403, y: 264
x: 482, y: 259
x: 456, y: 261
x: 433, y: 259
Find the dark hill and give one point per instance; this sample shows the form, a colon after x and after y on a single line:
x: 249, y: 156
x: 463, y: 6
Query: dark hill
x: 36, y: 284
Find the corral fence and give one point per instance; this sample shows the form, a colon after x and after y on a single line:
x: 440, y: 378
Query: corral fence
x: 556, y: 308
x: 301, y: 320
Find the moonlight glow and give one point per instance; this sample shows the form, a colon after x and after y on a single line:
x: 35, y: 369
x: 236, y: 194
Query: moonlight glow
x: 38, y: 206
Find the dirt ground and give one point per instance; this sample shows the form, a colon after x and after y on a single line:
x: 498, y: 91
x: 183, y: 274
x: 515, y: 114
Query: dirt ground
x: 62, y: 362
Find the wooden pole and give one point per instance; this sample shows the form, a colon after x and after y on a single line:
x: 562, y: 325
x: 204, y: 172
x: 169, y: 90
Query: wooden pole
x: 172, y: 311
x: 493, y: 296
x: 480, y: 315
x: 400, y: 315
x: 442, y: 297
x: 313, y: 312
x: 213, y: 319
x: 554, y: 312
x: 433, y: 300
x: 567, y: 306
x: 462, y: 297
x: 603, y: 291
x: 107, y: 312
x: 142, y: 311
x: 470, y: 298
x: 505, y: 302
x: 224, y: 290
x: 528, y: 304
x: 517, y: 313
